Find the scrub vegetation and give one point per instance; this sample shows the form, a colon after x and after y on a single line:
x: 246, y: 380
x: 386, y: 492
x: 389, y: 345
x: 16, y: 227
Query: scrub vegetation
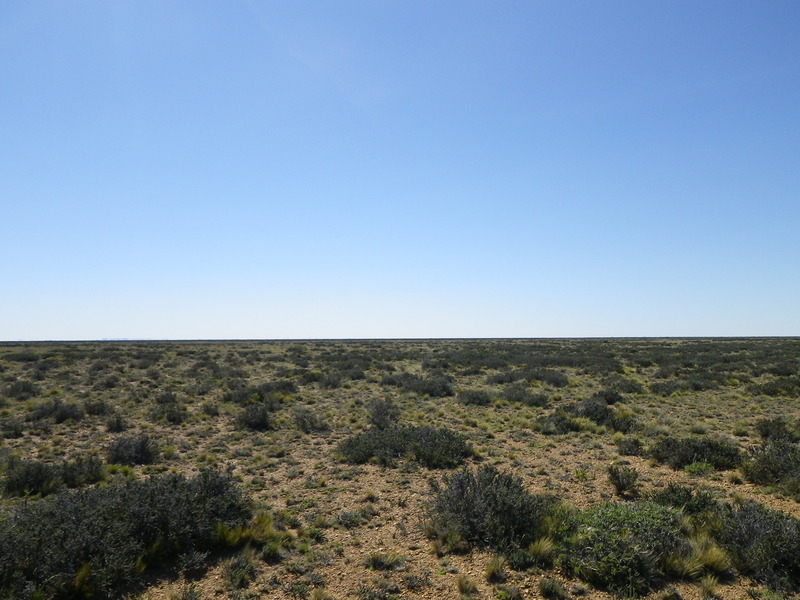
x: 393, y: 470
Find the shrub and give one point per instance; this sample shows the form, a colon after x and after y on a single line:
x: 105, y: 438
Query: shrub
x: 776, y: 429
x: 107, y: 535
x: 256, y: 416
x: 475, y: 397
x: 629, y: 446
x: 139, y: 449
x: 432, y: 448
x: 116, y: 423
x: 30, y: 478
x: 21, y: 390
x: 558, y: 423
x: 488, y: 509
x: 308, y: 421
x: 687, y: 499
x: 519, y: 392
x: 436, y: 385
x: 624, y: 479
x: 774, y: 462
x: 11, y: 428
x: 383, y: 413
x: 551, y: 588
x: 722, y: 454
x: 95, y: 407
x: 384, y: 561
x: 624, y: 547
x: 763, y: 543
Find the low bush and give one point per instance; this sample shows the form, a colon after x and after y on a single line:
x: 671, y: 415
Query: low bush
x: 721, y: 453
x: 436, y: 385
x: 474, y: 397
x: 30, y: 478
x: 256, y: 417
x: 91, y: 542
x: 763, y: 543
x: 773, y: 463
x: 308, y: 421
x: 558, y: 423
x: 629, y: 446
x: 57, y: 410
x: 519, y: 392
x: 777, y: 429
x: 21, y: 390
x: 432, y: 448
x: 138, y: 449
x: 488, y: 509
x: 383, y: 413
x: 625, y: 547
x: 691, y: 501
x: 625, y: 480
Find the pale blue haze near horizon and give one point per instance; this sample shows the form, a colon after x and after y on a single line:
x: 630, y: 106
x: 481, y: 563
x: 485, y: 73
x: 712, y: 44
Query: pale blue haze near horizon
x: 377, y: 169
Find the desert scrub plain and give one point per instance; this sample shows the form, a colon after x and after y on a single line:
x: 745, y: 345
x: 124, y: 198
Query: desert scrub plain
x: 382, y: 470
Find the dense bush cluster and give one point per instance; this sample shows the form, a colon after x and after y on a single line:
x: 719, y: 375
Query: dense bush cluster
x: 23, y: 477
x: 625, y: 547
x: 431, y: 447
x: 87, y: 543
x: 435, y: 385
x: 677, y: 452
x: 488, y: 509
x: 764, y: 543
x: 137, y: 449
x: 775, y: 462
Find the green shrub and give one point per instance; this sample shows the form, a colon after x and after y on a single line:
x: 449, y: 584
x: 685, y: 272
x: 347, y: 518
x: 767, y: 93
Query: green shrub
x: 624, y: 547
x: 625, y: 479
x: 116, y: 423
x: 475, y: 397
x: 383, y: 413
x: 256, y: 417
x: 488, y: 509
x: 558, y: 423
x: 30, y: 477
x: 690, y: 500
x: 721, y: 453
x: 95, y: 406
x: 774, y: 462
x: 21, y: 390
x: 437, y: 385
x: 776, y: 429
x: 551, y: 588
x: 432, y: 448
x: 12, y: 428
x: 519, y: 392
x: 308, y: 421
x: 763, y: 543
x: 629, y: 446
x: 139, y: 449
x: 107, y: 535
x: 240, y: 570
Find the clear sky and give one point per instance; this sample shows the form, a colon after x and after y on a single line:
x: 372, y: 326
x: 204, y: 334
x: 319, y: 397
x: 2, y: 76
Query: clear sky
x: 399, y: 168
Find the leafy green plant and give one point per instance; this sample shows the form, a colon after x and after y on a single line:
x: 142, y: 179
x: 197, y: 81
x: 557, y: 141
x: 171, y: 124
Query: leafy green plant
x: 625, y: 547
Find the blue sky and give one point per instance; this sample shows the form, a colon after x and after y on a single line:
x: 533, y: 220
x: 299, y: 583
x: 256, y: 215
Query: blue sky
x: 351, y: 169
